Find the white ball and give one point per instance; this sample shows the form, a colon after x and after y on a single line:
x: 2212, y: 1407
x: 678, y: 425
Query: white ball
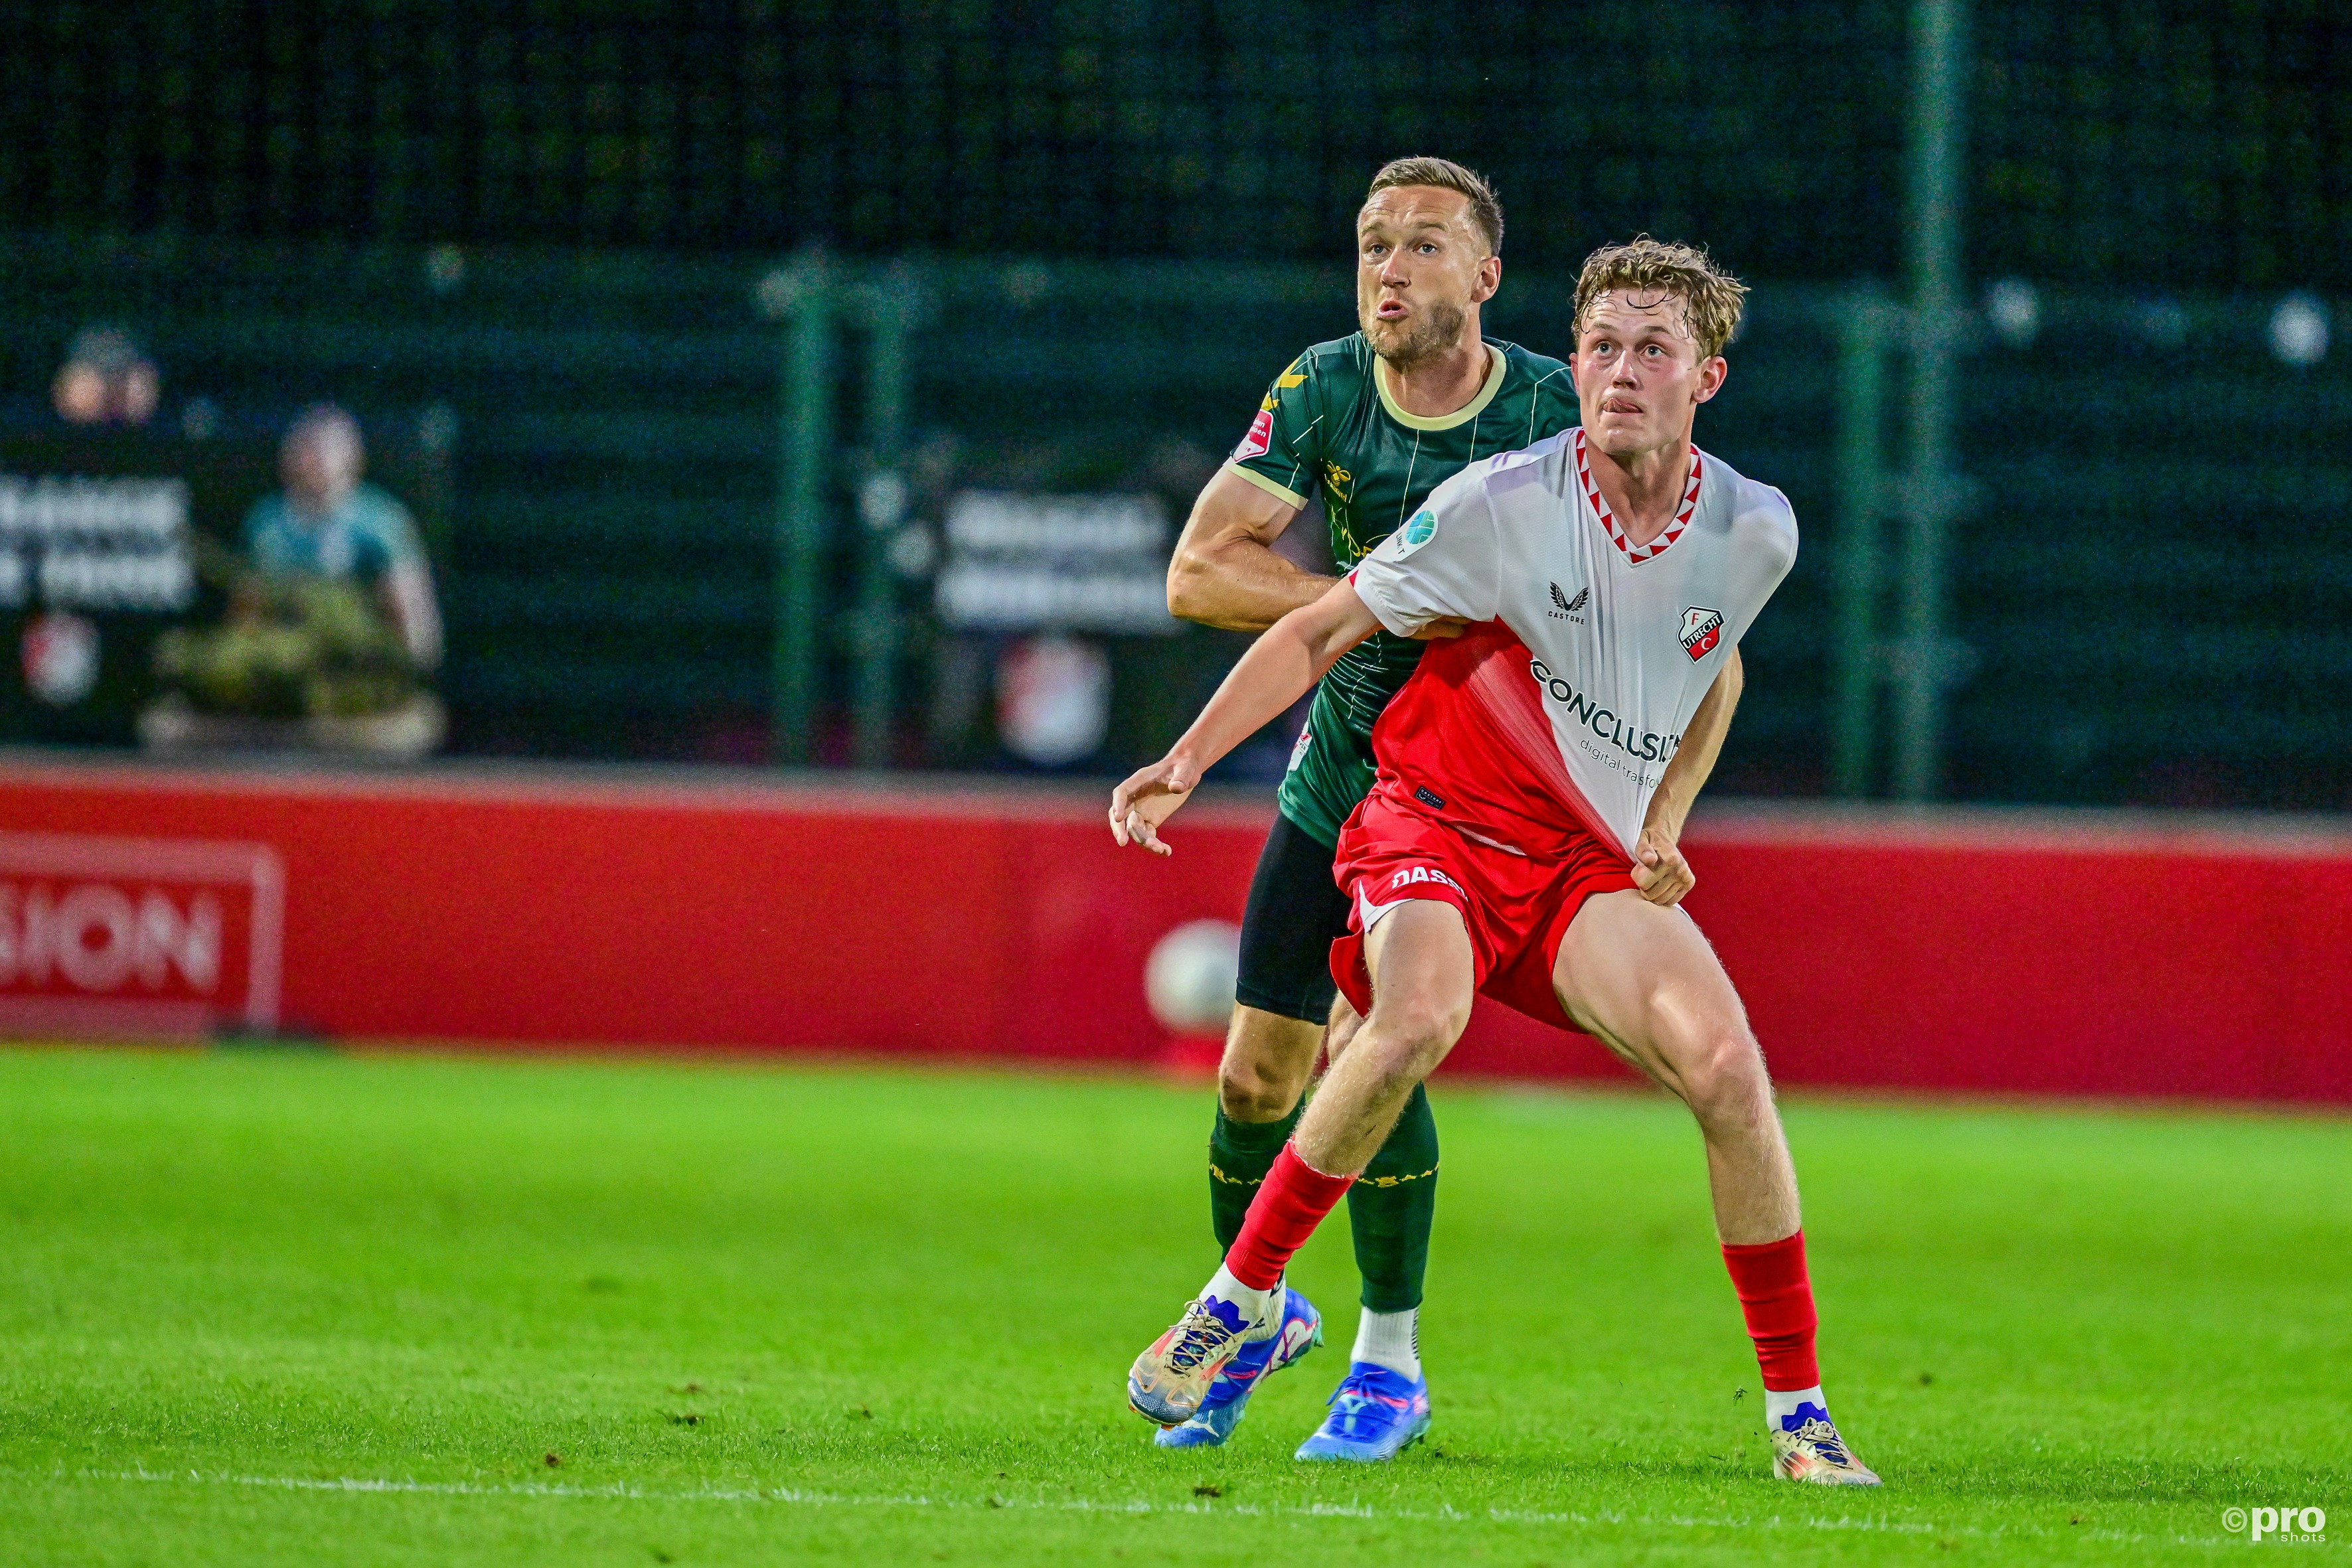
x: 1190, y: 975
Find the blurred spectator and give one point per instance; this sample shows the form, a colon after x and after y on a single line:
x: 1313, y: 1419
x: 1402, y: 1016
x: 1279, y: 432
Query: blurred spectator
x: 332, y: 624
x: 106, y: 380
x: 327, y: 524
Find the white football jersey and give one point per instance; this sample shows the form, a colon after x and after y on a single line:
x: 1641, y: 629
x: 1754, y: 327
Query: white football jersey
x: 1601, y: 651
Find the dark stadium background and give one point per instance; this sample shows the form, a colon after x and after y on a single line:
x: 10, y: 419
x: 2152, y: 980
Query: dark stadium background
x: 537, y: 234
x: 728, y: 1100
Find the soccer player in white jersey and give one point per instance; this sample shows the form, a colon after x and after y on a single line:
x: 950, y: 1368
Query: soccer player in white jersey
x: 1534, y: 774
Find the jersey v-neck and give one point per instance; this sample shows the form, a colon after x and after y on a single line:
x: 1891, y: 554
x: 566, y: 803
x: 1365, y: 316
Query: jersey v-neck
x: 1496, y: 368
x: 1636, y: 553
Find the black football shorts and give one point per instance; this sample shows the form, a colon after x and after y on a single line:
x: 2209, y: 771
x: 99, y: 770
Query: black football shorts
x: 1295, y: 913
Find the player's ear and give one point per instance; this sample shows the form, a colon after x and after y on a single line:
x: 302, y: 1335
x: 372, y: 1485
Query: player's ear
x: 1710, y: 377
x: 1490, y: 279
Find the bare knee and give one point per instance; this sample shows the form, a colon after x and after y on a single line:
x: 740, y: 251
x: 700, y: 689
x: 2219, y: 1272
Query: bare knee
x: 1248, y: 1091
x: 1265, y: 1065
x: 1719, y: 1072
x: 1408, y: 1036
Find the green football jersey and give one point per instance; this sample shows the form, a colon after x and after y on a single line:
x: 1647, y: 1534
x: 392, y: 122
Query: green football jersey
x: 1330, y: 424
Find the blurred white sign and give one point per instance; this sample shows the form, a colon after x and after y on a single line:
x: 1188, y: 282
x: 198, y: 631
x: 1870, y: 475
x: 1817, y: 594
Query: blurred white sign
x: 1049, y: 562
x: 95, y: 544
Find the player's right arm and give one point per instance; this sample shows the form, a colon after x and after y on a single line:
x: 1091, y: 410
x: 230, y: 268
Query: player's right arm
x: 1275, y: 673
x: 1225, y: 572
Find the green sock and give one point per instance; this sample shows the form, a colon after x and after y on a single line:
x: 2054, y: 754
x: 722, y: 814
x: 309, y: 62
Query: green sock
x: 1240, y: 1155
x: 1392, y: 1206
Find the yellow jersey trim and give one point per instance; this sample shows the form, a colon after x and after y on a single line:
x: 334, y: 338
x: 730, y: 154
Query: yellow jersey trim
x: 1279, y: 492
x: 1496, y: 368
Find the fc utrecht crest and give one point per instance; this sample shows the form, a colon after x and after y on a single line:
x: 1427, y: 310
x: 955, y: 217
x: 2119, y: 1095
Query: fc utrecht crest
x: 1702, y: 629
x: 1260, y: 437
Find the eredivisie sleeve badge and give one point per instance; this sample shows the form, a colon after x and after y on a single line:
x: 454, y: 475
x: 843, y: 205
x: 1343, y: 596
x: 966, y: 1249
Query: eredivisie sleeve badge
x: 1260, y: 437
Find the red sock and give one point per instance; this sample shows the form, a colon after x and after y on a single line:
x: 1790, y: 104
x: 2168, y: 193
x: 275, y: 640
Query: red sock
x: 1777, y: 1295
x: 1290, y: 1203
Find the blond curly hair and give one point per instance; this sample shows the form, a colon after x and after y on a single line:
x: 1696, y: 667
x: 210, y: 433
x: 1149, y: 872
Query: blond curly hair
x: 1712, y: 298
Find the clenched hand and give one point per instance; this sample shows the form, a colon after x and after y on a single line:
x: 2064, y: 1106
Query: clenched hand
x: 1659, y: 870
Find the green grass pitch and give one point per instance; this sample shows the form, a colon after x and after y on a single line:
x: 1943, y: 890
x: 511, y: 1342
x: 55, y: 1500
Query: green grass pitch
x: 322, y: 1309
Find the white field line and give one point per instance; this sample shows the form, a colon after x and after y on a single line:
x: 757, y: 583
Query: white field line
x: 796, y: 1497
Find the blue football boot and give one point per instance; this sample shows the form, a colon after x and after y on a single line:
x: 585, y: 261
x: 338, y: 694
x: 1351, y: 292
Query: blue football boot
x: 1375, y: 1414
x: 1221, y: 1410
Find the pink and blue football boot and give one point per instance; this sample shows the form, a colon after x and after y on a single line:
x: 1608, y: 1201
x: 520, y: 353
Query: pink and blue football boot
x: 1220, y: 1409
x: 1806, y: 1448
x: 1376, y: 1414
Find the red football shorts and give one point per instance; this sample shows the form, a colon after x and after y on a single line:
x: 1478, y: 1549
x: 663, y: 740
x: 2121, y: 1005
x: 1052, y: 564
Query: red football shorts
x: 1518, y: 907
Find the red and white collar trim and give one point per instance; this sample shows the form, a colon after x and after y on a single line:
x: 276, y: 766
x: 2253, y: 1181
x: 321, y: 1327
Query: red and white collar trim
x: 1637, y: 553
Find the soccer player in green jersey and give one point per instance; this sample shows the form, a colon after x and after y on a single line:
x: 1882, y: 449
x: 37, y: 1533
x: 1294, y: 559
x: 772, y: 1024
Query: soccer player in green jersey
x: 1371, y: 423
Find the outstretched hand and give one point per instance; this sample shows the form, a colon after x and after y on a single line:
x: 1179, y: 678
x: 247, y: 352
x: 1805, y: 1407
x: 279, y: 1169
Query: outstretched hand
x: 1147, y: 798
x: 1659, y: 870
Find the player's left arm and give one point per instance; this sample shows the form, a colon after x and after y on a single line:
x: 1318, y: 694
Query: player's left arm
x: 1659, y: 868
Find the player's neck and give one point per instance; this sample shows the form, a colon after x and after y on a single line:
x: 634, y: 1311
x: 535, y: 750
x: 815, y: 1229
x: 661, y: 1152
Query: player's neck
x: 1645, y: 490
x: 1446, y: 382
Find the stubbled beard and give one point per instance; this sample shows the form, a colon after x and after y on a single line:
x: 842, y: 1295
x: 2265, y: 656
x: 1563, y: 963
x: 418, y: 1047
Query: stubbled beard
x: 1439, y: 332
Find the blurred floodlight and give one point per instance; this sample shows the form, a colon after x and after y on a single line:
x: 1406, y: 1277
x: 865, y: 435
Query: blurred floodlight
x: 2014, y: 310
x: 1190, y: 976
x: 914, y: 551
x: 1052, y: 699
x: 882, y: 500
x: 445, y: 268
x: 2299, y: 330
x: 2163, y: 322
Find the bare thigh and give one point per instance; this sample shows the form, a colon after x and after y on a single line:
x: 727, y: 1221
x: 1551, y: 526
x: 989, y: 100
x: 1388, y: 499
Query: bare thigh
x: 1644, y: 982
x: 1423, y: 974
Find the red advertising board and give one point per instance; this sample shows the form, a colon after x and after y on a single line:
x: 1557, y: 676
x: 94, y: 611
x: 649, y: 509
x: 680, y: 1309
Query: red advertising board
x: 138, y: 936
x: 1981, y: 951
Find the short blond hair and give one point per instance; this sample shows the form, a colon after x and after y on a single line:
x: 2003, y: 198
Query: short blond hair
x: 1712, y: 298
x: 1486, y: 208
